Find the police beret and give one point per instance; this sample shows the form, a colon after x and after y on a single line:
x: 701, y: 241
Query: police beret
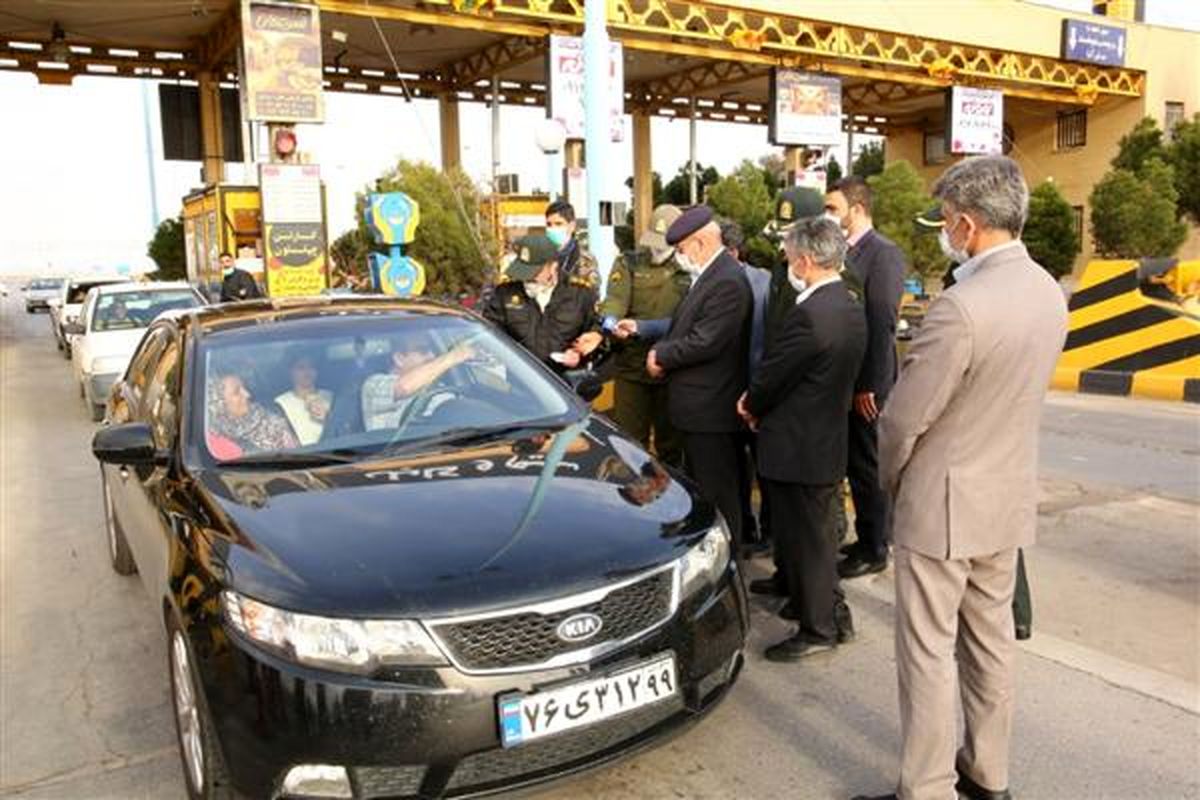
x: 533, y: 253
x: 688, y: 223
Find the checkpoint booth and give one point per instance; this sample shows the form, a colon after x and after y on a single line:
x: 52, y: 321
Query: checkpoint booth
x: 218, y: 219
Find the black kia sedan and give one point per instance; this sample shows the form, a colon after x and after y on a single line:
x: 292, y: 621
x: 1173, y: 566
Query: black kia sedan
x: 395, y: 556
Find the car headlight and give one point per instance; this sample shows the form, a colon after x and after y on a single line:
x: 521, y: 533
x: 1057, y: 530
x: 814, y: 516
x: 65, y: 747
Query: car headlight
x: 349, y: 645
x: 703, y: 564
x: 103, y: 365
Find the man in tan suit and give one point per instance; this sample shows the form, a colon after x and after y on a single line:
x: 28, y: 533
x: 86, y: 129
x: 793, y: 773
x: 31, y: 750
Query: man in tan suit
x: 958, y: 451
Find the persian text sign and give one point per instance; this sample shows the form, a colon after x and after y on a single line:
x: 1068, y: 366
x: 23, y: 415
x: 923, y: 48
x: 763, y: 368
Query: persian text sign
x: 976, y: 121
x: 1095, y: 44
x: 565, y: 79
x: 282, y: 62
x: 293, y: 229
x: 805, y: 109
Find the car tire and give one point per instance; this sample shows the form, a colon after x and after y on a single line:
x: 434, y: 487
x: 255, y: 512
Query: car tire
x: 97, y: 411
x: 119, y: 554
x: 204, y: 772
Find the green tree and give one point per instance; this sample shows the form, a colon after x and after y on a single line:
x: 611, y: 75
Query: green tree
x: 1140, y: 145
x: 677, y: 189
x: 1134, y: 216
x: 656, y: 189
x: 774, y: 172
x: 898, y: 196
x: 744, y: 197
x: 166, y: 250
x: 1050, y: 233
x: 869, y: 161
x: 349, y: 253
x: 452, y: 242
x: 833, y: 174
x: 1184, y: 157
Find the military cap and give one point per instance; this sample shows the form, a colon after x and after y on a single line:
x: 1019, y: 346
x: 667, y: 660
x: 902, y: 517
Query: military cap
x: 688, y: 223
x: 930, y: 221
x: 794, y: 204
x: 655, y: 237
x: 533, y: 253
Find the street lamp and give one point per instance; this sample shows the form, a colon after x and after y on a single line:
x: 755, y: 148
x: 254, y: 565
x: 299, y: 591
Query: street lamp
x: 550, y: 137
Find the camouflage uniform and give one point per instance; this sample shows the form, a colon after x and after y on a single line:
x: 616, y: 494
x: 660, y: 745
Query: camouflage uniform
x: 640, y: 289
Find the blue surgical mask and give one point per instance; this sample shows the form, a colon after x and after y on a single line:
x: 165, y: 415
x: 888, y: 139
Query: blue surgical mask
x: 558, y: 236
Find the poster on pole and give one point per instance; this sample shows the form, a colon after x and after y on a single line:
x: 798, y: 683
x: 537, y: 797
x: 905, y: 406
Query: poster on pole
x: 294, y: 246
x: 283, y: 79
x: 974, y: 121
x: 805, y: 109
x: 564, y: 77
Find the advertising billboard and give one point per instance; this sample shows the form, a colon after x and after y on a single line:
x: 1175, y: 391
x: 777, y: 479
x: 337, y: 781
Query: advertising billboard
x: 281, y: 60
x: 974, y: 121
x: 564, y: 77
x: 805, y: 109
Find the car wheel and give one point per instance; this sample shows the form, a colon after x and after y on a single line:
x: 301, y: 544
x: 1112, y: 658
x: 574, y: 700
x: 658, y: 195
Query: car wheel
x: 203, y: 767
x: 97, y: 412
x: 119, y: 554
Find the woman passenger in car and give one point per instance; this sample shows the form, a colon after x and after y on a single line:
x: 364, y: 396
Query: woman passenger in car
x: 385, y: 395
x: 238, y: 426
x: 304, y: 404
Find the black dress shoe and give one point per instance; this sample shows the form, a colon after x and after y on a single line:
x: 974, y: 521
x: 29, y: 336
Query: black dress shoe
x: 891, y: 796
x: 971, y: 790
x: 772, y: 586
x: 756, y: 549
x: 855, y: 566
x: 1024, y: 632
x: 797, y: 648
x: 848, y: 549
x: 844, y: 622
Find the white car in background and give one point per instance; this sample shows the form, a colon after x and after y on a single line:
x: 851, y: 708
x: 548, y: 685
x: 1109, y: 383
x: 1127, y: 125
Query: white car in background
x: 112, y: 323
x: 39, y: 292
x: 64, y: 309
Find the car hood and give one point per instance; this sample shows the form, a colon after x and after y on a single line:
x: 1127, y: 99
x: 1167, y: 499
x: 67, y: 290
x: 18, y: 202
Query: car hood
x: 110, y: 344
x: 452, y: 532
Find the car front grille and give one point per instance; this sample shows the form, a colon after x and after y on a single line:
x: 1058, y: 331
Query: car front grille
x: 528, y: 638
x: 560, y: 752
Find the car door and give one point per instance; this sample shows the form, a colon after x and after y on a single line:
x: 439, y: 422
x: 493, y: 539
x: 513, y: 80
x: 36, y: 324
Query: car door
x: 79, y: 342
x: 125, y: 483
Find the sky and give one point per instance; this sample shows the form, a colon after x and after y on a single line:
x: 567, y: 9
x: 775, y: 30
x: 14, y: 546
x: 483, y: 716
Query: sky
x: 76, y: 167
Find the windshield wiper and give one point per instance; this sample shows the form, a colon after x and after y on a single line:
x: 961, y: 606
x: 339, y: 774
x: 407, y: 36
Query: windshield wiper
x: 276, y: 458
x: 466, y: 435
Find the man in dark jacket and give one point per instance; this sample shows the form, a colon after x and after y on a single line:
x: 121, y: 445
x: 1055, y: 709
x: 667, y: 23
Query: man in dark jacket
x: 879, y: 265
x: 799, y: 400
x: 542, y: 311
x: 704, y: 355
x: 237, y: 284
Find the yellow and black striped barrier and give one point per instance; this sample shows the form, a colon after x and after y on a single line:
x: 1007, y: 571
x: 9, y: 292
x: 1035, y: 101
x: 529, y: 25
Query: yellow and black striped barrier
x: 1129, y: 334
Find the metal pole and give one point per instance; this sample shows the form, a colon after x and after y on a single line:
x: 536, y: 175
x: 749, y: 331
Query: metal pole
x: 495, y: 131
x: 596, y: 129
x: 693, y: 196
x: 148, y: 128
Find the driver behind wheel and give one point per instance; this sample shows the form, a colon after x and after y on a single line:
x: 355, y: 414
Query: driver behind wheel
x: 386, y: 395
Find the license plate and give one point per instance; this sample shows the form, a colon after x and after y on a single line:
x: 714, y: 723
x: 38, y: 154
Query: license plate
x: 524, y: 718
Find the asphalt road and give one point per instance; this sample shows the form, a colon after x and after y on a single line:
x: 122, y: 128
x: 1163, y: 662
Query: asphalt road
x: 1109, y: 690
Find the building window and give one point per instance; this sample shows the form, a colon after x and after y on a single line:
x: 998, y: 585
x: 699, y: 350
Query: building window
x: 1173, y: 115
x: 1072, y: 129
x: 935, y: 148
x: 1078, y: 222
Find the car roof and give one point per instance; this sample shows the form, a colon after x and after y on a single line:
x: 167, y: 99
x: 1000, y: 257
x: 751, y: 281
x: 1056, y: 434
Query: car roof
x: 281, y: 309
x: 81, y: 280
x: 145, y: 286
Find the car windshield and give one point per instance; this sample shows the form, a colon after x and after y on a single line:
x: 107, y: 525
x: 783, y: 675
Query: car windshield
x: 364, y: 384
x: 45, y: 283
x: 132, y: 310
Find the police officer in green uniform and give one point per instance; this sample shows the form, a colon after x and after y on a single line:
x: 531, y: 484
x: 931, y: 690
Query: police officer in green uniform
x: 645, y: 283
x: 540, y: 309
x: 791, y: 206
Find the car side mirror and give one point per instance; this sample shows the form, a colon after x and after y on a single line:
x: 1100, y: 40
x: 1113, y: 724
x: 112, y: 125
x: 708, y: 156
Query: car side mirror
x: 586, y: 384
x: 131, y: 444
x: 73, y: 329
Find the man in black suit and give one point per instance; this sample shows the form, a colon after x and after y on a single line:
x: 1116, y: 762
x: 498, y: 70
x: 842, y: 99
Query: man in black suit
x: 704, y: 355
x: 798, y: 401
x: 879, y: 266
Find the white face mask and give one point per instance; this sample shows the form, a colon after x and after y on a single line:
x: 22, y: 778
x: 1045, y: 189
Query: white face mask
x: 797, y: 283
x: 836, y: 220
x: 954, y: 254
x: 686, y: 264
x: 661, y: 256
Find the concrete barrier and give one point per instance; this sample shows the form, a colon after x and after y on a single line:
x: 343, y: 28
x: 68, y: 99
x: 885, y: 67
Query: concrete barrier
x: 1129, y: 335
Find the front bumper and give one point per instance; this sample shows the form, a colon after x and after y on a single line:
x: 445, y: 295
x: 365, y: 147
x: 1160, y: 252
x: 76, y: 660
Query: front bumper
x: 433, y: 732
x: 98, y: 386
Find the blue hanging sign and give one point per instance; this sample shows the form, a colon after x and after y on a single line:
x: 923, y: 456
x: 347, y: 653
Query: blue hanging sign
x: 1092, y: 43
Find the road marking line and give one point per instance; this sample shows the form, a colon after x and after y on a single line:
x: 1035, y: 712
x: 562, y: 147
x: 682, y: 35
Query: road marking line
x: 1114, y: 671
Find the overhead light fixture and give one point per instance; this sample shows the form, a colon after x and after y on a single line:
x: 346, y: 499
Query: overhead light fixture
x: 340, y: 37
x: 58, y: 49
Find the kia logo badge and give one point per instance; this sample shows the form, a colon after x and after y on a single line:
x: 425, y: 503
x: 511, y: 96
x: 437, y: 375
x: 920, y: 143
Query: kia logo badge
x: 579, y: 627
